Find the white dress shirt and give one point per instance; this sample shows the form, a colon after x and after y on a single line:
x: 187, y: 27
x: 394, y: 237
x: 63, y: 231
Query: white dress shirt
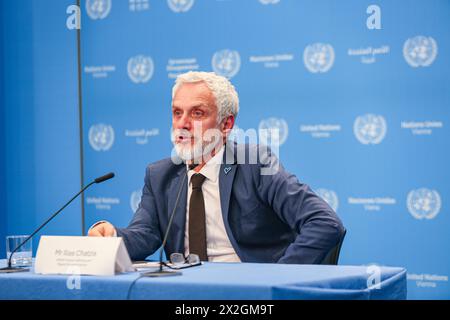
x: 218, y: 245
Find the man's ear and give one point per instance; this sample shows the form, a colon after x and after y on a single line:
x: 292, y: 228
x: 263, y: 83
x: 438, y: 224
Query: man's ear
x: 227, y: 125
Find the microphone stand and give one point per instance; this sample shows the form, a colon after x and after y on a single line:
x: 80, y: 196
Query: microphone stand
x: 9, y: 268
x: 161, y: 272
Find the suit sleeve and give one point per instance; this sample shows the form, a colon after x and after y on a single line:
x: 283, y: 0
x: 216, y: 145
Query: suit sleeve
x: 142, y: 236
x: 318, y: 228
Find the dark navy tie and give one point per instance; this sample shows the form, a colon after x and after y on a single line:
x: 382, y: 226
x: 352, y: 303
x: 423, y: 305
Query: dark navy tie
x: 197, y: 221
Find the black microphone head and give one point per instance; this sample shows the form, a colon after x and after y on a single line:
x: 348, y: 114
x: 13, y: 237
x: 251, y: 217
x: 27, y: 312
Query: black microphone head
x: 104, y: 178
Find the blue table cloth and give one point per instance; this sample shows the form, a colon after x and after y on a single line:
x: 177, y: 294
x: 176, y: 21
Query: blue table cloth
x: 228, y: 281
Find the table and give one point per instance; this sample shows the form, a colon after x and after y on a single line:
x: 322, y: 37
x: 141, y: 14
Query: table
x: 224, y: 281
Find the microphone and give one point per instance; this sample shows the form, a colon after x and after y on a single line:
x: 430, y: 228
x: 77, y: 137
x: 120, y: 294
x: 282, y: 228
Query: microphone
x: 104, y: 178
x: 9, y: 269
x: 161, y: 272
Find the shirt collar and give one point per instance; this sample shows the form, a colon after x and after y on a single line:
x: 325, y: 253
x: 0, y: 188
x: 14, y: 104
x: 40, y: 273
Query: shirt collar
x: 212, y: 168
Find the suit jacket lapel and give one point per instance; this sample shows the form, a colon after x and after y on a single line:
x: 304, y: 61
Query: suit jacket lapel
x: 226, y: 178
x: 176, y: 234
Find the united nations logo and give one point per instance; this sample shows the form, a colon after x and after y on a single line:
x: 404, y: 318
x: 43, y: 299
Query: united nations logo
x: 420, y: 51
x: 423, y: 203
x: 269, y: 127
x: 318, y: 57
x: 140, y: 68
x: 269, y: 1
x: 329, y: 196
x: 98, y: 9
x: 101, y: 137
x: 370, y: 128
x: 180, y: 5
x: 226, y: 63
x: 135, y: 199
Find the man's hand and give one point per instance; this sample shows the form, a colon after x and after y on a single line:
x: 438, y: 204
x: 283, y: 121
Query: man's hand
x: 104, y: 229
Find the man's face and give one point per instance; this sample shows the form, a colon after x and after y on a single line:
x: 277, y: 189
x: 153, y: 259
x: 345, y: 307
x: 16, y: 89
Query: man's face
x: 194, y: 120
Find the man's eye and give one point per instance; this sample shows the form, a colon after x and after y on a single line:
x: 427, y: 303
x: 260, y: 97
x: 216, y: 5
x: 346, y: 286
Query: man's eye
x: 177, y: 113
x: 197, y: 113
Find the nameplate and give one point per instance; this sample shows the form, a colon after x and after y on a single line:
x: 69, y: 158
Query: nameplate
x: 82, y: 255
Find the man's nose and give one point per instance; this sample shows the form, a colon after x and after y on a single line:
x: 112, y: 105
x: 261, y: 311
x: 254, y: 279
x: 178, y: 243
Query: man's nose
x: 184, y: 122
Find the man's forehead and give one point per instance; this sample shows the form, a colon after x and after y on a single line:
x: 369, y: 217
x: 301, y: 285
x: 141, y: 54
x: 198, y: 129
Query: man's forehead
x: 192, y: 104
x: 193, y: 94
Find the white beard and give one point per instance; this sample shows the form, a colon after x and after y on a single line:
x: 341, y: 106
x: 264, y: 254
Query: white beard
x: 189, y: 153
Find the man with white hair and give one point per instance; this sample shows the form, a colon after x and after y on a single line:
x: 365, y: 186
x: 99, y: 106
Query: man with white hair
x: 228, y: 210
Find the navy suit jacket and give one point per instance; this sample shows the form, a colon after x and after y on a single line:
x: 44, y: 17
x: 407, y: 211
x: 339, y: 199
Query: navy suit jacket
x: 268, y: 218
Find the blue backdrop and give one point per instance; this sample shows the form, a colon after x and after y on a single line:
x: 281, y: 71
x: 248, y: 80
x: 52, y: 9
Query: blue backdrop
x: 39, y: 147
x: 359, y: 90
